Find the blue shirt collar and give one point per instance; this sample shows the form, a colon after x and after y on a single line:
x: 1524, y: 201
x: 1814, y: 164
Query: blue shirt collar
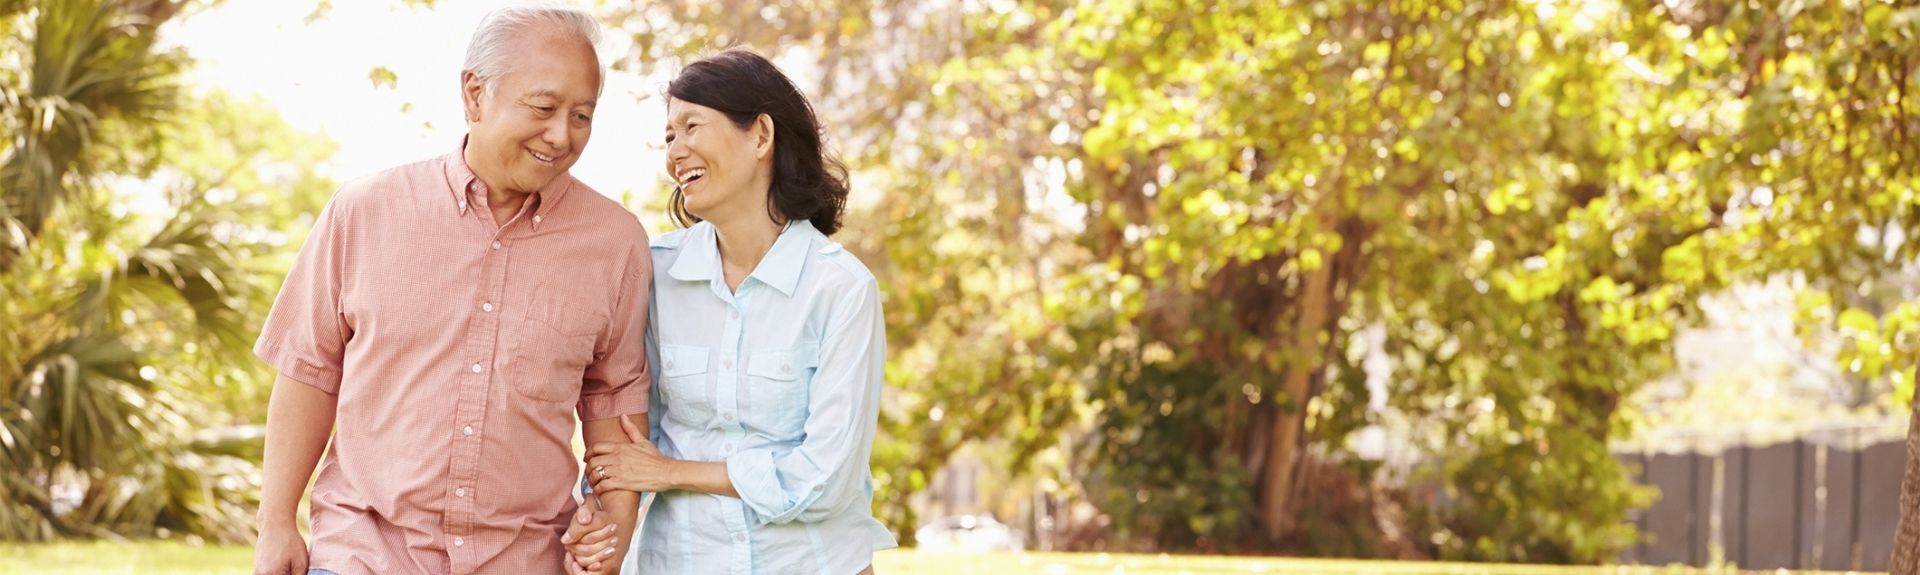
x: 700, y: 257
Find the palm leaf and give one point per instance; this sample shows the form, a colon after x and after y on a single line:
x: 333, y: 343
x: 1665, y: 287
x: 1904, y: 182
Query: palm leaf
x: 91, y: 61
x: 181, y: 263
x: 85, y: 400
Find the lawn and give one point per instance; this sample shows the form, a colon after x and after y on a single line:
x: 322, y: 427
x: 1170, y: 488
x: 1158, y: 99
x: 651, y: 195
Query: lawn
x: 182, y: 559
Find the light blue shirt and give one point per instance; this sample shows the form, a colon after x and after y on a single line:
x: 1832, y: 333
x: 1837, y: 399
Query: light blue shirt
x: 781, y: 380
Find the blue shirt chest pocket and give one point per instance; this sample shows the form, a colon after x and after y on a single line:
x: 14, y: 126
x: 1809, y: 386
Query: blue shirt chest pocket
x: 684, y: 384
x: 779, y: 382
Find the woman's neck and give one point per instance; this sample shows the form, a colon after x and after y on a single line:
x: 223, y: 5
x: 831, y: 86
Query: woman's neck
x: 743, y: 243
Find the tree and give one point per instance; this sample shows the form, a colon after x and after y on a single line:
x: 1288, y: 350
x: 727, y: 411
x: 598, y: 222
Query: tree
x: 1236, y: 197
x: 120, y: 325
x: 1156, y: 229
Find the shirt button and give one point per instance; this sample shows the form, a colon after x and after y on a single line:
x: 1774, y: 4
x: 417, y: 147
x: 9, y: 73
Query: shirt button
x: 460, y: 492
x: 487, y: 307
x: 669, y: 364
x: 739, y: 537
x: 463, y: 204
x: 536, y: 219
x: 727, y: 417
x: 496, y: 244
x: 726, y: 364
x: 729, y: 447
x: 467, y: 431
x: 733, y: 314
x: 786, y: 368
x: 476, y: 368
x: 457, y: 542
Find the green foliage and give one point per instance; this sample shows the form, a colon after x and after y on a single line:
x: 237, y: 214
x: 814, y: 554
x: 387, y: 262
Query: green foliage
x: 145, y: 221
x: 1152, y: 232
x: 1155, y: 248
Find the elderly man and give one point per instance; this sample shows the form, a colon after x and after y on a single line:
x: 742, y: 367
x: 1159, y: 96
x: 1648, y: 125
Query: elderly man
x: 445, y: 320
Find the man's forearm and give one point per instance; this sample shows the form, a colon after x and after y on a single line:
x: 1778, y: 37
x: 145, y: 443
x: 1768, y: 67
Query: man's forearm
x: 299, y: 421
x: 622, y: 507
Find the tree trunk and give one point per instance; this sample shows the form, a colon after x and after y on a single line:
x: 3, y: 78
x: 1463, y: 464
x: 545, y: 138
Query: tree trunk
x: 1906, y: 545
x: 1276, y: 482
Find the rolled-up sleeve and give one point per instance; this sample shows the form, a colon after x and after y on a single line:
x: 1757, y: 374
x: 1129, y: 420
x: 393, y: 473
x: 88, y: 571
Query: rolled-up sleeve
x: 826, y: 472
x: 617, y: 383
x: 305, y: 334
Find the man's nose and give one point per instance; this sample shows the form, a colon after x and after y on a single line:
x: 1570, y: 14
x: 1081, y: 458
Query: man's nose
x: 558, y: 135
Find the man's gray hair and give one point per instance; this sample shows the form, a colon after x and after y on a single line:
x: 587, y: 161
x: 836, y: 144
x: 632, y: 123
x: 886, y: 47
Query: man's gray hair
x: 492, y: 42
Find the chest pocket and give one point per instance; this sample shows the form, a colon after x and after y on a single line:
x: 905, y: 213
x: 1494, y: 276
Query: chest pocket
x: 554, y: 348
x: 684, y: 383
x: 779, y: 382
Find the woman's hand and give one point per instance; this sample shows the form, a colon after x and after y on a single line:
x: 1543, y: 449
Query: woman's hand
x: 636, y: 466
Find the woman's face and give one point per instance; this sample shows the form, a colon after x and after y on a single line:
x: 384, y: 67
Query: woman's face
x: 723, y: 170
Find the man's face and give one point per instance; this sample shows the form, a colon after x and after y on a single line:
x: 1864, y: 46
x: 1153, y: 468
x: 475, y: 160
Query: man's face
x: 532, y: 125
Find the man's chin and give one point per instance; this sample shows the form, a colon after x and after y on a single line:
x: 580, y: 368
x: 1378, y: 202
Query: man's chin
x: 534, y: 180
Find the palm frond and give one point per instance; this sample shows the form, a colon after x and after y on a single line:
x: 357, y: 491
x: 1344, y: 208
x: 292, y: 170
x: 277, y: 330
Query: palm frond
x: 90, y: 62
x: 86, y: 398
x: 184, y: 262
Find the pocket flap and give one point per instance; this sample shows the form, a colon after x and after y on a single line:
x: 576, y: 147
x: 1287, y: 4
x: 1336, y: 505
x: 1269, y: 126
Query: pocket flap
x: 782, y: 364
x: 679, y: 360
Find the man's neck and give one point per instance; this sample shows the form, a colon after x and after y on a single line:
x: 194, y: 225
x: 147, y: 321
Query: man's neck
x: 503, y: 202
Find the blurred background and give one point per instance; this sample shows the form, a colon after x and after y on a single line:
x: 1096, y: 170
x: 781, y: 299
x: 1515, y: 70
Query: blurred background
x: 1454, y: 280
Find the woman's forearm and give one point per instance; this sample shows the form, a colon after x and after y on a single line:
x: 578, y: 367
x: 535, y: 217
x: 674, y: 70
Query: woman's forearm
x: 702, y: 476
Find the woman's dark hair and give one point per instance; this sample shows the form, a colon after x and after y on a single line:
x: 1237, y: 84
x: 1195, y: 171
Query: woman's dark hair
x: 808, y: 182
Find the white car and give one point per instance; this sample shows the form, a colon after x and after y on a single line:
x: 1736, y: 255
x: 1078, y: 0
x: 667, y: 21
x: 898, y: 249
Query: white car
x: 969, y: 533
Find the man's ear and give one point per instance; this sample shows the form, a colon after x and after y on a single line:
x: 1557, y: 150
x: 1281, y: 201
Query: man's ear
x: 763, y: 136
x: 471, y: 89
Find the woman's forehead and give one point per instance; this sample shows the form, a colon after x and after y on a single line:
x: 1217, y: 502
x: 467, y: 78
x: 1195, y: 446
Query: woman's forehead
x: 679, y: 110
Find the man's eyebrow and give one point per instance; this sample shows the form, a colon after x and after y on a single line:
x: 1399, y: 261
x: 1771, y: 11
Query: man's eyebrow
x: 556, y: 96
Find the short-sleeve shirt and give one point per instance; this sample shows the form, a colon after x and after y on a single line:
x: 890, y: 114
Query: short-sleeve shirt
x: 460, y: 351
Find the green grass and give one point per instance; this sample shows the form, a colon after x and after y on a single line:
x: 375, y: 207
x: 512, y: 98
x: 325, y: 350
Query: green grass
x: 181, y: 559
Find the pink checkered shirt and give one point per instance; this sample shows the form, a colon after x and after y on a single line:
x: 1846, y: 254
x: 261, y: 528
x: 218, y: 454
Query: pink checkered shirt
x: 460, y: 351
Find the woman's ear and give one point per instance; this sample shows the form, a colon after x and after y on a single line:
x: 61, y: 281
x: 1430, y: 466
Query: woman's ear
x: 471, y: 88
x: 762, y: 136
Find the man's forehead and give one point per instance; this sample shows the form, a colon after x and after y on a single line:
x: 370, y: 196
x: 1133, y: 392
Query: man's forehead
x: 544, y: 63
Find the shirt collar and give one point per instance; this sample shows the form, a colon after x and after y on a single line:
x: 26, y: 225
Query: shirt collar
x: 700, y: 257
x: 463, y: 183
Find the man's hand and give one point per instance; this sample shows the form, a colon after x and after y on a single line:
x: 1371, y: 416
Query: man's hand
x: 589, y: 541
x: 280, y: 550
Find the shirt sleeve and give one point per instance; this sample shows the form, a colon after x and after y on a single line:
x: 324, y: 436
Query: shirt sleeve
x: 305, y: 334
x: 617, y: 383
x: 829, y: 469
